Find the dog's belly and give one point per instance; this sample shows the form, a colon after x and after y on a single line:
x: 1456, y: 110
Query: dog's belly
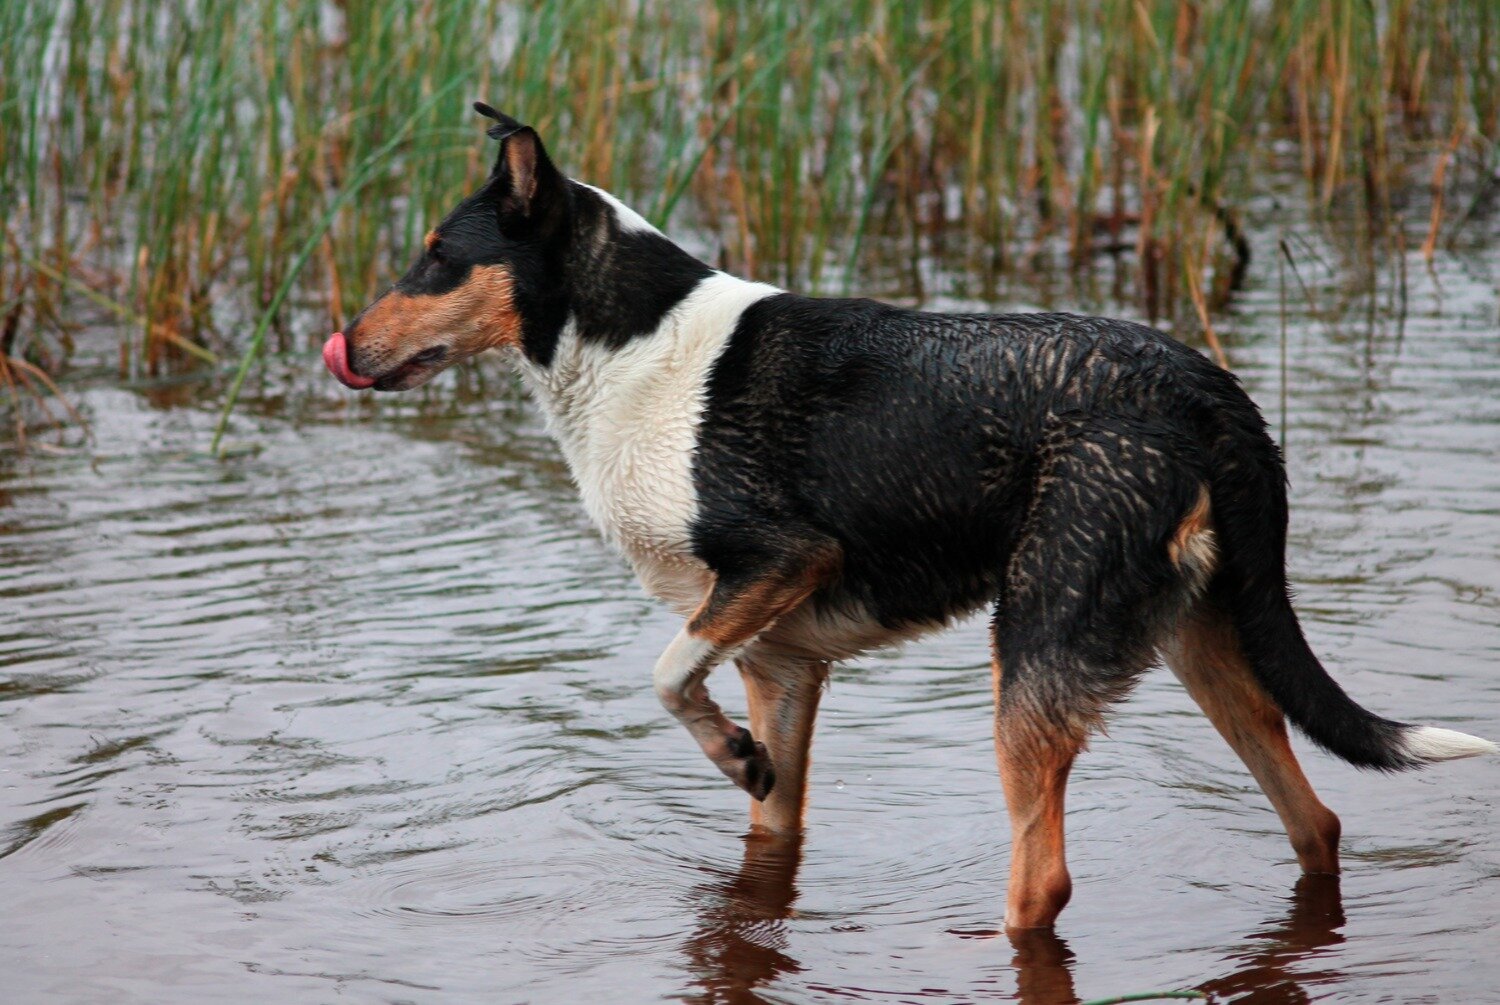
x: 811, y: 632
x: 832, y: 633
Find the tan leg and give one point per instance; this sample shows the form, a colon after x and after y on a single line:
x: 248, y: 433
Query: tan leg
x: 736, y: 610
x: 783, y: 698
x: 1205, y: 655
x: 679, y: 678
x: 1035, y: 757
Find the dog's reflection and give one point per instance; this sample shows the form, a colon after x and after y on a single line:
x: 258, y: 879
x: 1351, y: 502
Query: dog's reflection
x: 1262, y: 972
x: 740, y: 942
x: 1043, y: 965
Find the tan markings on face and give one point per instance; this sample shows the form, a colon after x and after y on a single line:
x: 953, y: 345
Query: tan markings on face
x: 478, y: 315
x: 430, y: 240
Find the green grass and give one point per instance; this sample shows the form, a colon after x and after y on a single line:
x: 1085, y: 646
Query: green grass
x: 201, y: 165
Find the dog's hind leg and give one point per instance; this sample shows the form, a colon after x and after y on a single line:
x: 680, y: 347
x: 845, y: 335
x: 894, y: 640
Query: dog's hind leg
x: 1035, y: 757
x: 740, y: 606
x: 1091, y: 581
x: 1205, y: 655
x: 1046, y: 704
x: 782, y: 692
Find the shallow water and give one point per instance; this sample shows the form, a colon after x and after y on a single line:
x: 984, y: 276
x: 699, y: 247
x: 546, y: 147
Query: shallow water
x: 362, y: 714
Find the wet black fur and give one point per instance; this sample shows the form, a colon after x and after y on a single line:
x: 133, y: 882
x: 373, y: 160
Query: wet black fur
x: 1040, y: 463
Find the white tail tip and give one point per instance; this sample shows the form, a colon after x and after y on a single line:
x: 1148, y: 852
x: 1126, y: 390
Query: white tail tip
x: 1430, y: 743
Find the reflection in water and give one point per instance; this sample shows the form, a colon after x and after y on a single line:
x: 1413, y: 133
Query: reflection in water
x: 1262, y: 971
x: 1044, y: 967
x: 740, y: 940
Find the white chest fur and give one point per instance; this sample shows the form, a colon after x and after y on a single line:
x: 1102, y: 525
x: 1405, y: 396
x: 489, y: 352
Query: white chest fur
x: 627, y: 420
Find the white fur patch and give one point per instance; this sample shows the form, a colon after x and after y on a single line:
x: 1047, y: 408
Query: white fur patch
x: 1431, y: 743
x: 628, y: 218
x: 687, y: 656
x: 627, y: 420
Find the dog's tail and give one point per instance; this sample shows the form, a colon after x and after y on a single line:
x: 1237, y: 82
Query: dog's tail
x: 1248, y: 490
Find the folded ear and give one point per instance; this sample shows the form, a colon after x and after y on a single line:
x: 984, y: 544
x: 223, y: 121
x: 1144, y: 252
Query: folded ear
x: 504, y: 124
x: 528, y: 190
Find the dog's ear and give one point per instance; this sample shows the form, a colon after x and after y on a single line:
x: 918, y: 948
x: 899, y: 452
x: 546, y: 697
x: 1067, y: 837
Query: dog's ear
x: 529, y: 192
x: 504, y: 124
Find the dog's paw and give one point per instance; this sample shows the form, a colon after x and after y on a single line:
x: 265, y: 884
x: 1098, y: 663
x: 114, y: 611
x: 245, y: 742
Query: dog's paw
x: 760, y: 773
x: 749, y: 765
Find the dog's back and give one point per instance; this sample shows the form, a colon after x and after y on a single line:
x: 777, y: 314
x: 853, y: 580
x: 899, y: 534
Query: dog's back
x: 918, y: 440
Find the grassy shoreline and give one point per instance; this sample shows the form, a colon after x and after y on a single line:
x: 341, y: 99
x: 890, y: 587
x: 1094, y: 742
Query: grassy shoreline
x: 188, y: 165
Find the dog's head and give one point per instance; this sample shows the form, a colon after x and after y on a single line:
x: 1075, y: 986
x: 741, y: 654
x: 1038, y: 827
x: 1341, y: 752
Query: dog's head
x: 487, y: 274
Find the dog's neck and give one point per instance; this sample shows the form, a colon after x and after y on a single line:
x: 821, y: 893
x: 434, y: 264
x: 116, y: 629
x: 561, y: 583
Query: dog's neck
x: 628, y: 284
x: 646, y: 322
x: 624, y: 275
x: 611, y: 281
x: 631, y: 379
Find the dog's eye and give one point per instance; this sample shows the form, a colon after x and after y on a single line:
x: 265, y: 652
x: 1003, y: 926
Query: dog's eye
x: 437, y: 252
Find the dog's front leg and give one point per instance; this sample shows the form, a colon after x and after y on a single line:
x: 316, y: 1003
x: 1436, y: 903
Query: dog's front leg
x: 679, y: 680
x: 782, y: 693
x: 740, y: 606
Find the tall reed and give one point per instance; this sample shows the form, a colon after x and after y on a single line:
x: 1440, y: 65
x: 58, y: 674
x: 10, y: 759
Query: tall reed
x: 186, y: 164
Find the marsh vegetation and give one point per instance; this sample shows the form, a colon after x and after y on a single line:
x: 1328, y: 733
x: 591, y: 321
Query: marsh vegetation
x: 197, y: 170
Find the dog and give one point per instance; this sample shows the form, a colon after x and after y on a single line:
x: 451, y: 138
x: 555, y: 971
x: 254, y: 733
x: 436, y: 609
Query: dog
x: 804, y: 480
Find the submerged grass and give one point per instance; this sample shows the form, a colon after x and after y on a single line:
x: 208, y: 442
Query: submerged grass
x: 194, y: 163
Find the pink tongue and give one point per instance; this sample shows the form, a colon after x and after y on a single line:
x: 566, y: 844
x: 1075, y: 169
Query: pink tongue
x: 336, y: 358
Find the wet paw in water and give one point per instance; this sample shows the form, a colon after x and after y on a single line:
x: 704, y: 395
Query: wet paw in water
x: 750, y: 767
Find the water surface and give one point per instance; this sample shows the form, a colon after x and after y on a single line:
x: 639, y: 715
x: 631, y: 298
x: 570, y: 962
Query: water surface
x: 363, y: 714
